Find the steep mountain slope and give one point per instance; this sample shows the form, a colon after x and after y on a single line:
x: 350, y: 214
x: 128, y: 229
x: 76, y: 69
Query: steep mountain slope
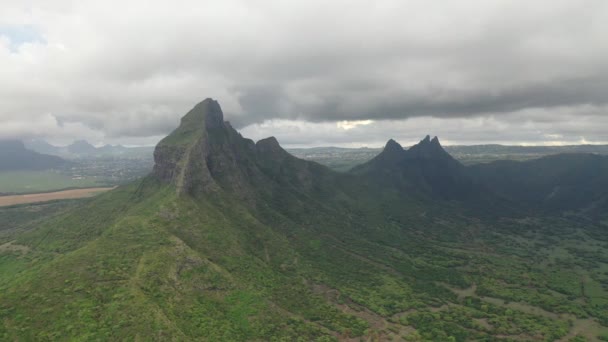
x: 14, y: 156
x: 205, y: 155
x: 81, y: 147
x: 41, y: 146
x: 229, y: 240
x: 561, y: 182
x: 425, y: 168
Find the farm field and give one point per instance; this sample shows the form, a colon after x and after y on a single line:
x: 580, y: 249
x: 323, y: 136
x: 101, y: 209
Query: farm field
x: 50, y: 196
x: 14, y: 182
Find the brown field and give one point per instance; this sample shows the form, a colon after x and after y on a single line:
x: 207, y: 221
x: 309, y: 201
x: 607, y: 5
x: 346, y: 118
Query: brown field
x: 50, y: 196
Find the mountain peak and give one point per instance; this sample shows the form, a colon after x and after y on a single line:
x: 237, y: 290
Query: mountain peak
x: 269, y: 144
x: 81, y: 147
x: 392, y: 145
x: 391, y: 155
x: 207, y: 112
x: 435, y: 141
x: 205, y: 154
x: 428, y: 149
x: 181, y: 157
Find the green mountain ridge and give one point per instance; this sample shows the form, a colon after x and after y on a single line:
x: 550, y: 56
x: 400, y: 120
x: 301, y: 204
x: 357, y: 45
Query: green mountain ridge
x: 14, y: 156
x: 572, y: 181
x: 232, y: 240
x: 82, y: 149
x: 343, y: 159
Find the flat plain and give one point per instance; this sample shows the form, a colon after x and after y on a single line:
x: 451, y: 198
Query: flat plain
x: 51, y: 196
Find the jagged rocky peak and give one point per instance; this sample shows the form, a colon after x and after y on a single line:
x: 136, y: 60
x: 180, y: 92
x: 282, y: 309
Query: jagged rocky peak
x: 207, y: 112
x: 428, y: 148
x: 427, y: 141
x: 392, y: 152
x: 181, y: 157
x: 389, y: 158
x: 268, y: 150
x: 206, y: 154
x: 392, y: 145
x: 269, y: 145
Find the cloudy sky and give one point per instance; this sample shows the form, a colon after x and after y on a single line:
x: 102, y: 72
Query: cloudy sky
x: 311, y: 73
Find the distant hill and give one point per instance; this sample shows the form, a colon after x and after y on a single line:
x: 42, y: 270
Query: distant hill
x: 569, y: 181
x: 83, y: 149
x: 343, y: 159
x: 14, y: 156
x: 234, y: 240
x: 425, y: 167
x: 42, y: 146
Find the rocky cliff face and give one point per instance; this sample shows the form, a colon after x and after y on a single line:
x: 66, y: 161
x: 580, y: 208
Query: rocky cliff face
x: 395, y: 156
x: 430, y: 149
x: 180, y: 158
x: 424, y: 168
x: 206, y: 154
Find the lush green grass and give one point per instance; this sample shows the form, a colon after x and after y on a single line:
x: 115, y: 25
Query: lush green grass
x: 142, y: 263
x: 254, y: 245
x: 15, y: 216
x: 41, y: 181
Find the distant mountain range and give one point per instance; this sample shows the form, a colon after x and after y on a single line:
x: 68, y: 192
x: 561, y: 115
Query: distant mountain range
x: 83, y: 149
x: 343, y: 159
x: 14, y: 156
x: 228, y: 239
x: 562, y: 182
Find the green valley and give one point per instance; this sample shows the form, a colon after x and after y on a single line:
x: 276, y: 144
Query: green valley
x: 233, y: 240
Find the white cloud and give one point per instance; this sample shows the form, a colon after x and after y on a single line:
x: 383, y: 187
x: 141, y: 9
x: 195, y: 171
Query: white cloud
x: 347, y: 125
x: 127, y: 70
x: 525, y: 127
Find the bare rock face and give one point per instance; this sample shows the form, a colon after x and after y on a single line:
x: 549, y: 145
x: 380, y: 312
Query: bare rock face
x: 430, y: 150
x: 181, y: 157
x: 205, y: 154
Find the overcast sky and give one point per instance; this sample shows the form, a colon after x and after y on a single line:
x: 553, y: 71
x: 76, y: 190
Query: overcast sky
x: 311, y: 73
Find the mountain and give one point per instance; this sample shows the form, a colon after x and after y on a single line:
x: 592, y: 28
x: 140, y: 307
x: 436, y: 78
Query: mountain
x: 41, y: 146
x: 233, y: 240
x: 81, y: 147
x: 344, y: 159
x: 14, y: 156
x: 570, y: 181
x: 205, y: 154
x: 425, y: 168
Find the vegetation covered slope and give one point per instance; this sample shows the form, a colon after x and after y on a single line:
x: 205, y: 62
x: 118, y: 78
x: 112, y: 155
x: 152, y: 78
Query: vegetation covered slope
x: 575, y: 181
x: 229, y: 239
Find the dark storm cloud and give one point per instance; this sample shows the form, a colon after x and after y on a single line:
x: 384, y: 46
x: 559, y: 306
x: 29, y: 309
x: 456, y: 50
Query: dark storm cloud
x: 131, y: 69
x: 264, y: 102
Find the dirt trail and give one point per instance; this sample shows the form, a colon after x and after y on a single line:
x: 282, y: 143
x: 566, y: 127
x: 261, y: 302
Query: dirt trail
x: 50, y: 196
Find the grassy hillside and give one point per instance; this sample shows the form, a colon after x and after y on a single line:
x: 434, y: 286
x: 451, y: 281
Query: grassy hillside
x: 170, y: 267
x: 40, y: 181
x: 231, y: 240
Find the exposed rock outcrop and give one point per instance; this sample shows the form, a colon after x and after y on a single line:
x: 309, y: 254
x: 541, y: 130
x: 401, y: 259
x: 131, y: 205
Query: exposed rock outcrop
x: 206, y: 154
